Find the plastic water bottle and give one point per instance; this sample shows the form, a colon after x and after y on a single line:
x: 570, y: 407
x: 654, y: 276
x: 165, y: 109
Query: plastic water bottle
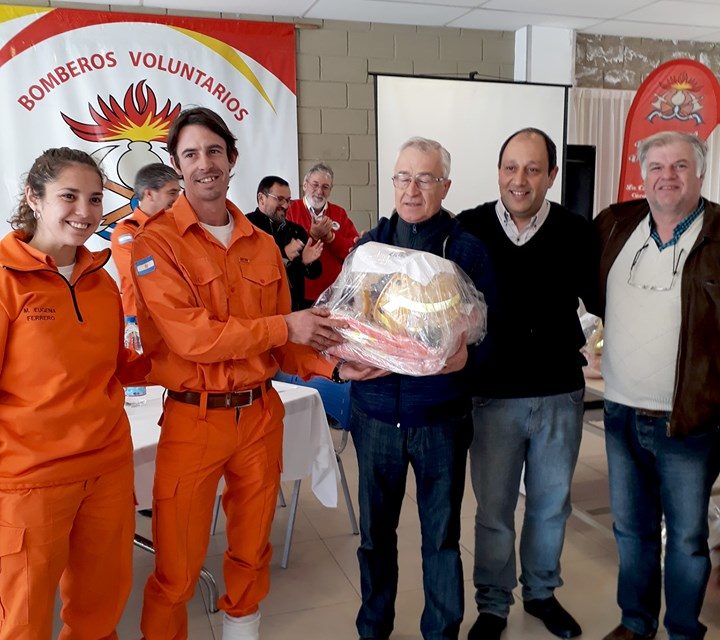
x: 134, y: 396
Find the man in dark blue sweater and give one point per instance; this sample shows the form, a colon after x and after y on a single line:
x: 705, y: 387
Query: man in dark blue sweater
x: 424, y: 422
x: 528, y: 410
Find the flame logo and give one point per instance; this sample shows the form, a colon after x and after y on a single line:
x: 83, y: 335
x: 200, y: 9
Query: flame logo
x: 138, y: 118
x: 138, y: 122
x: 680, y: 99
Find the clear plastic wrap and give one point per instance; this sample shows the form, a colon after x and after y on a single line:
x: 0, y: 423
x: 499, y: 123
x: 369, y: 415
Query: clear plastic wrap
x: 405, y: 310
x: 593, y: 330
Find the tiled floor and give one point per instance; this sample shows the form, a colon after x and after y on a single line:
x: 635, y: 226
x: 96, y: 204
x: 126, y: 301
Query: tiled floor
x: 316, y: 597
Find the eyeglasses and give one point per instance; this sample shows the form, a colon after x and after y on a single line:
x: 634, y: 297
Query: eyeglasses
x: 316, y: 185
x: 423, y: 181
x: 280, y: 199
x: 653, y: 287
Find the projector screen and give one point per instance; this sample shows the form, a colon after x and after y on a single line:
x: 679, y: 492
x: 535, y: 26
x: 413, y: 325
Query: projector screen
x: 471, y: 119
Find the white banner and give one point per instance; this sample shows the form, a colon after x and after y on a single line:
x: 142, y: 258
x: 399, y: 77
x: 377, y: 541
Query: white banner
x: 111, y: 84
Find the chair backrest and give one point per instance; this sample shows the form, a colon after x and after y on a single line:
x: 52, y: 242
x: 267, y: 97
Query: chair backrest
x: 335, y: 397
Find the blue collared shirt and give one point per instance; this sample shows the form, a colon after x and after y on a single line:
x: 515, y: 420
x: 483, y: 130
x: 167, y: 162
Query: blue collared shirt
x: 680, y: 228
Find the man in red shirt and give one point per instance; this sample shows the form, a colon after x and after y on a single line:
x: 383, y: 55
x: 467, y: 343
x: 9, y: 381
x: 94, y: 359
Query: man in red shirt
x: 326, y: 222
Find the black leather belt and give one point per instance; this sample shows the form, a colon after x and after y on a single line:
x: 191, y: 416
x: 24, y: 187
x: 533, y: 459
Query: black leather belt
x: 222, y: 400
x: 652, y: 413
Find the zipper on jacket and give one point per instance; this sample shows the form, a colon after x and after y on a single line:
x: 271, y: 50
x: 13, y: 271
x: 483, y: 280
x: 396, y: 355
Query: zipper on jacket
x: 680, y: 341
x: 76, y: 306
x: 72, y: 286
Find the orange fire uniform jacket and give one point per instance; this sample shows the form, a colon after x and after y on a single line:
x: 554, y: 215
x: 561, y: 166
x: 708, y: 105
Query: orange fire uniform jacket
x: 121, y: 242
x: 62, y: 366
x: 211, y: 317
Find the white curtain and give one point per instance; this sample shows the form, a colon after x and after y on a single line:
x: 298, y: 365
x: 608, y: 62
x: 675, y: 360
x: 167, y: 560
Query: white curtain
x: 597, y: 117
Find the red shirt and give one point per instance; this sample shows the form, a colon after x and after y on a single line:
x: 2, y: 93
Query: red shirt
x: 334, y: 253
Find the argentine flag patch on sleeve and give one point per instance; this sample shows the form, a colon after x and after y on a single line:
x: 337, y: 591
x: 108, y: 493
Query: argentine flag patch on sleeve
x: 125, y: 238
x: 145, y: 266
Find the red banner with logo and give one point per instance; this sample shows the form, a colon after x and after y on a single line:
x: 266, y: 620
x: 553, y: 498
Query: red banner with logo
x: 112, y: 83
x: 680, y: 95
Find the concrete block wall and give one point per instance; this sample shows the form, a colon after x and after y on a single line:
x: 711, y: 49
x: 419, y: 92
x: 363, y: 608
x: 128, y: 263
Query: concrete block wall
x: 336, y: 117
x: 611, y: 62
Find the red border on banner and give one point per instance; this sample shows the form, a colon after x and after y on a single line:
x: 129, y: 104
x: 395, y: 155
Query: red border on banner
x: 271, y: 44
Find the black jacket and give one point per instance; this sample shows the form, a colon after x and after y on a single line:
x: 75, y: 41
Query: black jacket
x: 296, y: 270
x: 410, y: 401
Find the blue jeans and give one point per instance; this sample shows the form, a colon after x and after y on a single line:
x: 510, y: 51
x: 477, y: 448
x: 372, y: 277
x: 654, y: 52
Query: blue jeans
x: 438, y: 456
x: 543, y: 435
x: 651, y: 475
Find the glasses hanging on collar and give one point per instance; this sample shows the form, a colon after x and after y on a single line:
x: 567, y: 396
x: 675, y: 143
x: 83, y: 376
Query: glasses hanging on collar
x: 669, y: 278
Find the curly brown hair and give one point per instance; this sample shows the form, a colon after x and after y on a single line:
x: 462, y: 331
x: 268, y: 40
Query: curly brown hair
x: 46, y: 168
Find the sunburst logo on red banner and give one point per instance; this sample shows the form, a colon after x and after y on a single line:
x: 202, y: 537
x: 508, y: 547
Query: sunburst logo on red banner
x: 680, y: 99
x: 137, y: 119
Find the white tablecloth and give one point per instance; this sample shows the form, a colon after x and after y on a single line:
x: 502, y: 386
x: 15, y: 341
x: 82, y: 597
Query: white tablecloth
x: 307, y: 444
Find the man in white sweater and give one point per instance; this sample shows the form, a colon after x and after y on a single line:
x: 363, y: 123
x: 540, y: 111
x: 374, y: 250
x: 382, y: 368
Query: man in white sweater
x: 660, y: 289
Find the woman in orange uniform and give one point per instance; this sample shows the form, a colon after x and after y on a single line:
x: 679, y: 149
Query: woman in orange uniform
x: 66, y: 469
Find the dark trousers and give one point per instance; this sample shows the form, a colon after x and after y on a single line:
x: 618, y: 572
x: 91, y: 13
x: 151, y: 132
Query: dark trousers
x: 437, y: 454
x: 651, y: 475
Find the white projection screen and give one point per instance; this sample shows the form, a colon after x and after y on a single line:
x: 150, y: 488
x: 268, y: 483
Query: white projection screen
x: 471, y: 119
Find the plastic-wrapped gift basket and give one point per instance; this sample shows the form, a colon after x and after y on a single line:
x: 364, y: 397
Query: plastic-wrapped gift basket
x: 406, y: 311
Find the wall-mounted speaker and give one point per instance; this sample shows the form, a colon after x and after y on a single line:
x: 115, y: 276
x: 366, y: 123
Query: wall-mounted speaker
x: 579, y: 185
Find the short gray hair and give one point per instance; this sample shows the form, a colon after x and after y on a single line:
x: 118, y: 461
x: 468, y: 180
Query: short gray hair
x: 320, y: 167
x: 426, y: 145
x: 153, y: 177
x: 665, y: 138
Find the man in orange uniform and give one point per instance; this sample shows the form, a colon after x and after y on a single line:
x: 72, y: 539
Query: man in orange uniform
x: 214, y: 311
x: 326, y: 222
x: 157, y: 186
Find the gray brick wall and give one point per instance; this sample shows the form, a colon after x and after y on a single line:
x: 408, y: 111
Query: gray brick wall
x: 612, y: 62
x: 347, y: 131
x: 336, y: 117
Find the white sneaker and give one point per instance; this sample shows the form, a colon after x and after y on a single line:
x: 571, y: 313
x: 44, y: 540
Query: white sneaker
x: 242, y: 628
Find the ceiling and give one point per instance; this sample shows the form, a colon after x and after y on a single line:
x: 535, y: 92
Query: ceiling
x: 662, y: 19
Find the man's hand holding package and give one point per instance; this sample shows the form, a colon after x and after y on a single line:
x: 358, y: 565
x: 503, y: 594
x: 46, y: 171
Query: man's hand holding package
x: 313, y: 327
x: 458, y: 359
x: 357, y: 371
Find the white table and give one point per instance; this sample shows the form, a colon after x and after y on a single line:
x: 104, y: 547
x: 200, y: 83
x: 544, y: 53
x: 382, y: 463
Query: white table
x: 307, y: 443
x: 307, y: 451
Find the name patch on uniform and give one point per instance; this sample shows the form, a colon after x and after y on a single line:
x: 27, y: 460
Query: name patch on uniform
x: 125, y: 238
x: 145, y: 266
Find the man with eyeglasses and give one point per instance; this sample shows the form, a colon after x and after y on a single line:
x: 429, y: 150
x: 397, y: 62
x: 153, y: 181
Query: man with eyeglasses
x: 423, y: 422
x: 300, y: 255
x: 528, y: 395
x: 325, y: 222
x: 660, y: 297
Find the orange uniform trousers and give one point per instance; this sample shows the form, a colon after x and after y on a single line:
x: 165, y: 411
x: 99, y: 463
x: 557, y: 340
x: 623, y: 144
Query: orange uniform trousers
x: 197, y: 446
x: 78, y: 535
